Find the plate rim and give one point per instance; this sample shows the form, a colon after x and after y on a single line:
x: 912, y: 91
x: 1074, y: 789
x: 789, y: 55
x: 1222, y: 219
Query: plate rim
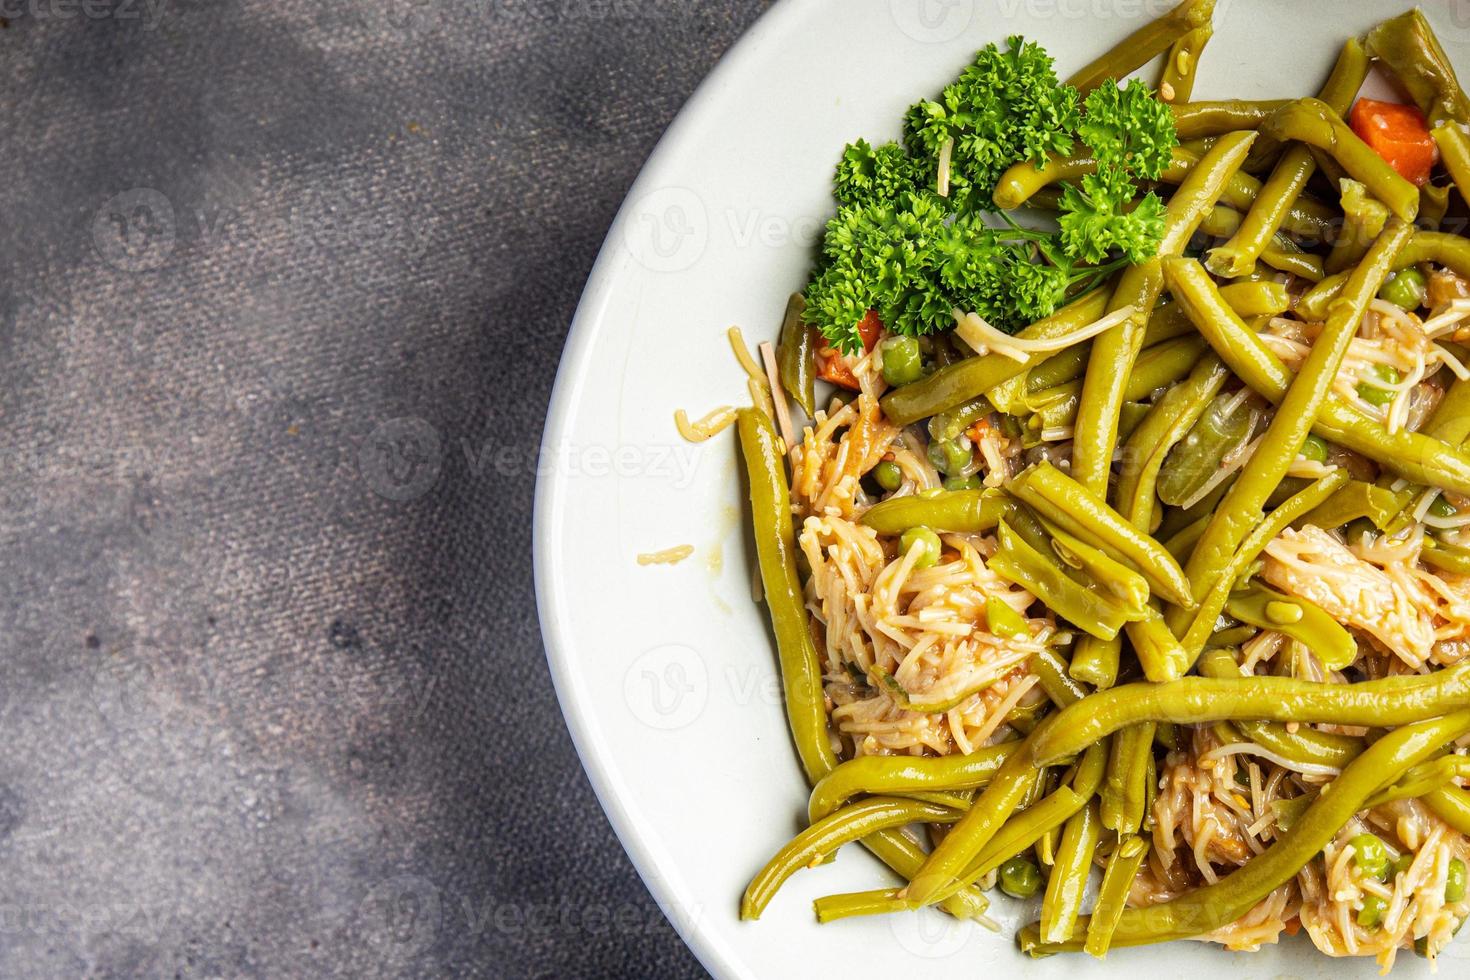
x: 551, y: 605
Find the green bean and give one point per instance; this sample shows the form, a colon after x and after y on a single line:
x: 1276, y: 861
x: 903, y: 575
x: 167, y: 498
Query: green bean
x: 905, y: 857
x: 1318, y: 124
x: 1220, y: 432
x: 1381, y: 703
x: 1256, y: 298
x: 1170, y: 420
x: 1111, y: 575
x: 1121, y: 807
x: 1434, y: 204
x: 1025, y: 829
x: 1064, y: 889
x: 1017, y: 561
x: 964, y: 380
x: 949, y: 511
x: 1441, y: 248
x: 1194, y: 119
x: 942, y: 869
x: 1295, y: 168
x: 1181, y: 64
x: 1358, y: 500
x: 1454, y: 148
x: 1157, y: 367
x: 1363, y: 221
x: 1282, y: 258
x: 1083, y: 513
x: 1223, y: 578
x: 1299, y: 619
x: 1032, y: 825
x: 1112, y: 898
x: 1114, y: 352
x: 1143, y: 45
x: 1407, y: 45
x: 1412, y: 455
x: 825, y: 836
x: 1051, y: 673
x: 1305, y: 750
x: 1240, y: 511
x: 1024, y: 183
x: 1212, y: 906
x: 1181, y: 543
x: 880, y: 901
x: 1446, y: 557
x: 1314, y: 302
x: 1023, y: 180
x: 1096, y: 661
x: 905, y: 775
x: 1452, y: 805
x: 952, y: 423
x: 801, y: 672
x: 794, y: 356
x: 1423, y: 779
x: 1307, y: 218
x: 1160, y: 654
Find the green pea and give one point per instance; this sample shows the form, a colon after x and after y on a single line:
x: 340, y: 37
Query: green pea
x: 1401, y: 865
x: 951, y: 458
x: 1019, y: 878
x: 1372, y: 911
x: 1407, y: 288
x: 888, y: 475
x: 1315, y: 449
x: 902, y: 363
x: 1374, y: 395
x: 1442, y: 508
x: 923, y: 536
x: 971, y: 482
x: 1370, y: 855
x: 1454, y: 885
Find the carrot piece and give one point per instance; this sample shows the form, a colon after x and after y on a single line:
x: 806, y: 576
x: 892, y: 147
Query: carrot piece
x: 1399, y: 134
x: 832, y: 365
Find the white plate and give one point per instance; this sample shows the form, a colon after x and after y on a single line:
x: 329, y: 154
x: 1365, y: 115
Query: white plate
x: 666, y: 674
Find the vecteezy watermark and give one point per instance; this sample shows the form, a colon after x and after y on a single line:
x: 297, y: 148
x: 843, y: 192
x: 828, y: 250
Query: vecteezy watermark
x: 401, y: 459
x: 1095, y: 10
x: 932, y: 21
x: 667, y: 230
x: 930, y: 934
x: 149, y: 12
x: 667, y: 687
x: 134, y: 231
x: 404, y: 458
x: 402, y: 916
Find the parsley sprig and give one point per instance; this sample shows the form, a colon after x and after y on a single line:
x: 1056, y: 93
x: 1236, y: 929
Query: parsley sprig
x: 898, y: 247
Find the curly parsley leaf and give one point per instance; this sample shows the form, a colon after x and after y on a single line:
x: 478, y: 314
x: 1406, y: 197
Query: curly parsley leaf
x: 1128, y: 127
x: 896, y: 246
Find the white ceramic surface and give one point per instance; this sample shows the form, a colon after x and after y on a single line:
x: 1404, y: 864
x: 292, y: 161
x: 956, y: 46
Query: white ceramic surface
x: 666, y: 674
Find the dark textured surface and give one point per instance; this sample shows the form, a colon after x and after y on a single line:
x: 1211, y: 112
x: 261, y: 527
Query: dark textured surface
x: 285, y: 286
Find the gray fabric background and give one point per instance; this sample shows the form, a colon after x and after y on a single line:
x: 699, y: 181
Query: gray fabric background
x: 285, y: 284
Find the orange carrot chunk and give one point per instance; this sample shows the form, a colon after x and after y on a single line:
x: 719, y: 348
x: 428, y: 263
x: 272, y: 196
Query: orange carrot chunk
x: 1399, y: 134
x: 832, y: 366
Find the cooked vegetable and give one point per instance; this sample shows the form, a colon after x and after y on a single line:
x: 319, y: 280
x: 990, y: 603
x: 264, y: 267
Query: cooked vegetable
x: 1399, y: 134
x: 1073, y: 467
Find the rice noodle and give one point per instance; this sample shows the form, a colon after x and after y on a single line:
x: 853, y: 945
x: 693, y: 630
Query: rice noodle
x: 982, y: 338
